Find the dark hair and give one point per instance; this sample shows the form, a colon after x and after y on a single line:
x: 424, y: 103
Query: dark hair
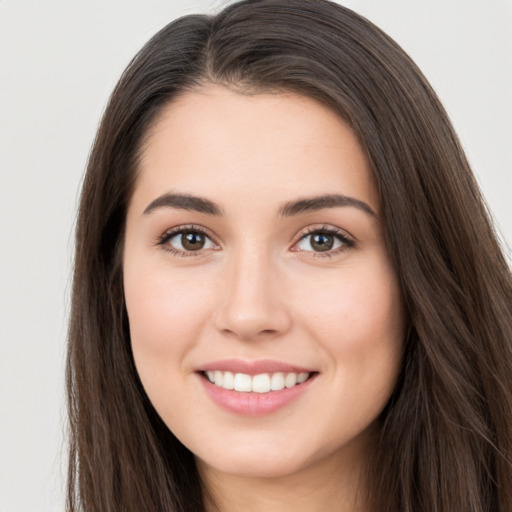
x: 445, y: 438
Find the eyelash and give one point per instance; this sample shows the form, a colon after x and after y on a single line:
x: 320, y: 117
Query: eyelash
x: 347, y: 243
x: 162, y: 241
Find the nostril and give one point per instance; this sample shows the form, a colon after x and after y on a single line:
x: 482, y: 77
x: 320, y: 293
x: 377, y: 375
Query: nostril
x: 245, y: 333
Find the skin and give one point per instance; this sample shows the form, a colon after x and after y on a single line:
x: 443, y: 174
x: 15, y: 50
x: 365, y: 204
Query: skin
x: 260, y: 290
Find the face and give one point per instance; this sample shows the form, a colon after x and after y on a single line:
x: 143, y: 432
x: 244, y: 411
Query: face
x: 254, y: 258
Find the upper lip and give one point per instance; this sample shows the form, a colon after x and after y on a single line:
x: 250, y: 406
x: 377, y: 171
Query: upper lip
x: 253, y: 367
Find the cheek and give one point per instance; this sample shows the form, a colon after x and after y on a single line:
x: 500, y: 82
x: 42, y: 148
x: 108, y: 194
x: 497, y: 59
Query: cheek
x: 359, y: 326
x: 355, y: 306
x: 358, y: 319
x: 166, y: 311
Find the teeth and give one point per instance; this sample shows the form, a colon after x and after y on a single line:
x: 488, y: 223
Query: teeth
x: 229, y: 381
x: 262, y: 383
x: 242, y: 382
x: 218, y: 377
x: 290, y: 380
x: 277, y: 381
x: 302, y: 377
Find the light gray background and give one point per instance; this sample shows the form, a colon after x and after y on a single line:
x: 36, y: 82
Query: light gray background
x: 59, y: 60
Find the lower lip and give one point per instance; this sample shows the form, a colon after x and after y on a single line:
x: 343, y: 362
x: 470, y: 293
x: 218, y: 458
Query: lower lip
x: 254, y: 404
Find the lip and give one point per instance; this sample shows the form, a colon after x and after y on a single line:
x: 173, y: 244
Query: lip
x: 250, y: 403
x: 254, y: 367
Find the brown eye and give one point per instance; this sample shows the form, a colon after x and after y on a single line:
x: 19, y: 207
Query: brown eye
x: 192, y: 241
x: 189, y: 241
x: 322, y: 242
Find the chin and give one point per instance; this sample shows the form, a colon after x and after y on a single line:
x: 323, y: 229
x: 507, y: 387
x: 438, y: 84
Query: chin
x: 270, y: 458
x: 255, y: 466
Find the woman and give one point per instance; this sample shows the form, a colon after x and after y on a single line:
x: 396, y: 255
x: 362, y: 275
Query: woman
x: 287, y: 289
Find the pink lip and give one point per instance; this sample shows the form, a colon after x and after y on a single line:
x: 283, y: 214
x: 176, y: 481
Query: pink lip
x: 252, y: 367
x: 250, y: 403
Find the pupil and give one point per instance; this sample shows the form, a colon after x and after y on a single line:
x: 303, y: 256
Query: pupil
x: 192, y: 241
x: 322, y: 242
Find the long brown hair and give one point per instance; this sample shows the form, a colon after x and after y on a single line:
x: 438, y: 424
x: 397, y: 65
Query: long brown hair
x: 445, y: 440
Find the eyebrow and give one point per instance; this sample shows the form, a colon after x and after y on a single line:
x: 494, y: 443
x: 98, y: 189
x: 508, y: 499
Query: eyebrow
x: 184, y: 202
x: 310, y: 204
x: 289, y: 209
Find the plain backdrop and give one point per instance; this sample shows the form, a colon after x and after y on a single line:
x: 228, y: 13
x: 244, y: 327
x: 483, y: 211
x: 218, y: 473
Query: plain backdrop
x: 59, y: 60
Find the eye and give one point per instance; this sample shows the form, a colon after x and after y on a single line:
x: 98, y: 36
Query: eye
x: 185, y: 241
x: 324, y: 240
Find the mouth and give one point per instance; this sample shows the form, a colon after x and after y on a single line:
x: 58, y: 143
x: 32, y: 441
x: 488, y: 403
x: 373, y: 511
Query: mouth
x: 261, y: 383
x: 255, y: 388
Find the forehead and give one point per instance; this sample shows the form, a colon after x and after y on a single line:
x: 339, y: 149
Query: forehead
x: 216, y: 141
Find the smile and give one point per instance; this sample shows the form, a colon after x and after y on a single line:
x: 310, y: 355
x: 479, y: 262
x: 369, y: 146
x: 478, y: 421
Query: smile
x: 255, y: 388
x: 261, y: 383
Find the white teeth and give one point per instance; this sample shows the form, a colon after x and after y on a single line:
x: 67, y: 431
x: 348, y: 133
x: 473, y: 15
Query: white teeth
x: 219, y: 377
x: 229, y: 381
x: 262, y: 383
x: 242, y: 382
x: 302, y: 377
x: 290, y: 380
x: 277, y: 381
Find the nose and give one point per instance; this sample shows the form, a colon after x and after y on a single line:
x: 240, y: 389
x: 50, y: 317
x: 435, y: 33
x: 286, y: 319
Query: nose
x: 252, y: 304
